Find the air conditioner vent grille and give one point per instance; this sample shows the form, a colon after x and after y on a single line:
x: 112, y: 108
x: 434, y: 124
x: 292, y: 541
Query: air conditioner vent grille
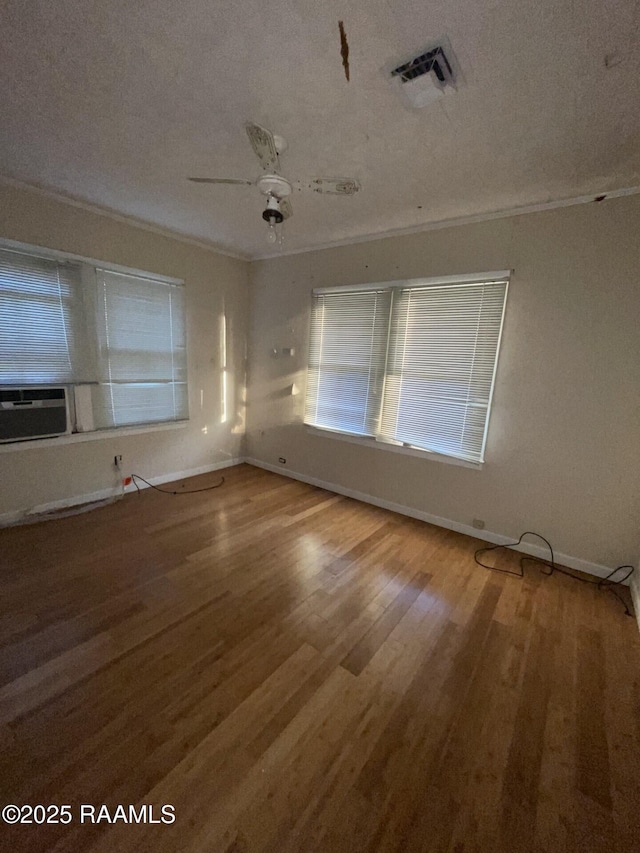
x: 433, y: 60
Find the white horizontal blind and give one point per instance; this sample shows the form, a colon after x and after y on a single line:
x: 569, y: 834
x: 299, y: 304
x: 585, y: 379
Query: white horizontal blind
x: 346, y: 360
x: 142, y: 351
x: 442, y: 357
x: 41, y: 321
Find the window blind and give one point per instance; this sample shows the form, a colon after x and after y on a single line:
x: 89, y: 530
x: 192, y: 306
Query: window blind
x: 411, y: 364
x: 442, y: 355
x: 346, y: 360
x: 41, y: 321
x: 141, y: 351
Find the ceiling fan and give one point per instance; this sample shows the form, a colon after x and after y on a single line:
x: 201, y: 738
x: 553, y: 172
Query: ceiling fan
x: 268, y: 147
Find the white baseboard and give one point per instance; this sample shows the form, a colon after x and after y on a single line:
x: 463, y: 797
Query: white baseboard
x: 9, y: 518
x: 486, y: 535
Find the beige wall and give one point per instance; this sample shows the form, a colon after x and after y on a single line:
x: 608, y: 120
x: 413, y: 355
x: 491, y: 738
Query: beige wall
x: 563, y: 449
x: 215, y: 285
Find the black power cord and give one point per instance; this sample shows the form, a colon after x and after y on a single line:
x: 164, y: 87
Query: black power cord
x: 135, y: 477
x: 602, y: 583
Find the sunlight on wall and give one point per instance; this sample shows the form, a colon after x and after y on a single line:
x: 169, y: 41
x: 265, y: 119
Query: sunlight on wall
x: 224, y: 379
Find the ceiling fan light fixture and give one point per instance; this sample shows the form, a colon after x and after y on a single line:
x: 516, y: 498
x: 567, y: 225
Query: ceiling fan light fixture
x: 274, y: 217
x: 272, y: 235
x: 272, y: 213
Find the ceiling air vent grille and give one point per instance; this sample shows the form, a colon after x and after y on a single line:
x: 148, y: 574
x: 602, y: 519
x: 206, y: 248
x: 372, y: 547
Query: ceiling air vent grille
x: 430, y: 74
x: 432, y: 61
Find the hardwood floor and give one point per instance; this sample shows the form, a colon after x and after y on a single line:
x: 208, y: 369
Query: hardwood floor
x: 296, y: 671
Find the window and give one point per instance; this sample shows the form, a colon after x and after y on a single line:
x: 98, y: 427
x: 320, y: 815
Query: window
x: 40, y: 320
x: 67, y: 321
x: 346, y: 360
x: 411, y: 364
x: 142, y: 359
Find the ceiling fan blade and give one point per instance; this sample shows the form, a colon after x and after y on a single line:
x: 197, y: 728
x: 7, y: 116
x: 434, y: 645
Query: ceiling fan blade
x: 264, y: 145
x: 219, y: 181
x: 335, y: 186
x: 285, y: 208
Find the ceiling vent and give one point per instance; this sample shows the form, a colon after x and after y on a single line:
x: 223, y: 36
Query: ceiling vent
x: 428, y: 75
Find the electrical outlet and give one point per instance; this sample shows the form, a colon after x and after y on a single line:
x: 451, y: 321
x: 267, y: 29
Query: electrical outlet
x: 282, y: 460
x: 117, y: 461
x: 478, y: 523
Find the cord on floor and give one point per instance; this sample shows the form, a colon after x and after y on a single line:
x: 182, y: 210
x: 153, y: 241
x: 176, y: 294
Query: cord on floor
x: 135, y: 477
x: 602, y: 583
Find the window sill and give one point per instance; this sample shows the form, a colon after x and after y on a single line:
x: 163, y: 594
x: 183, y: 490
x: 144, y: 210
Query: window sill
x: 95, y: 435
x: 394, y: 448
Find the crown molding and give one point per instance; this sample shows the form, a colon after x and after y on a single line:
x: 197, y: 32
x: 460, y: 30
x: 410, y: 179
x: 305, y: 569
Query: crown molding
x: 57, y: 195
x: 64, y: 198
x: 454, y: 222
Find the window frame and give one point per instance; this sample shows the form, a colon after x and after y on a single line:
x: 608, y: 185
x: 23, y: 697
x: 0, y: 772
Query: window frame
x: 394, y: 286
x: 89, y: 268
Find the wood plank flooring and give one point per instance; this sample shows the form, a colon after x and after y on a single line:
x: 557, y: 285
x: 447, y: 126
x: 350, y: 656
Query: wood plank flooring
x: 295, y: 671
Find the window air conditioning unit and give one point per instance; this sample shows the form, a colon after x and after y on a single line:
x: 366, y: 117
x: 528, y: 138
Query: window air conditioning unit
x: 28, y: 413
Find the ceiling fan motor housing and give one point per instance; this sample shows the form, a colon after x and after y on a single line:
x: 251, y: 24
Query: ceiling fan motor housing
x: 274, y: 185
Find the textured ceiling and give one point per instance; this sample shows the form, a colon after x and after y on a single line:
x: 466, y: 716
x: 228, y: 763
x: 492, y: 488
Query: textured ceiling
x: 114, y: 102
